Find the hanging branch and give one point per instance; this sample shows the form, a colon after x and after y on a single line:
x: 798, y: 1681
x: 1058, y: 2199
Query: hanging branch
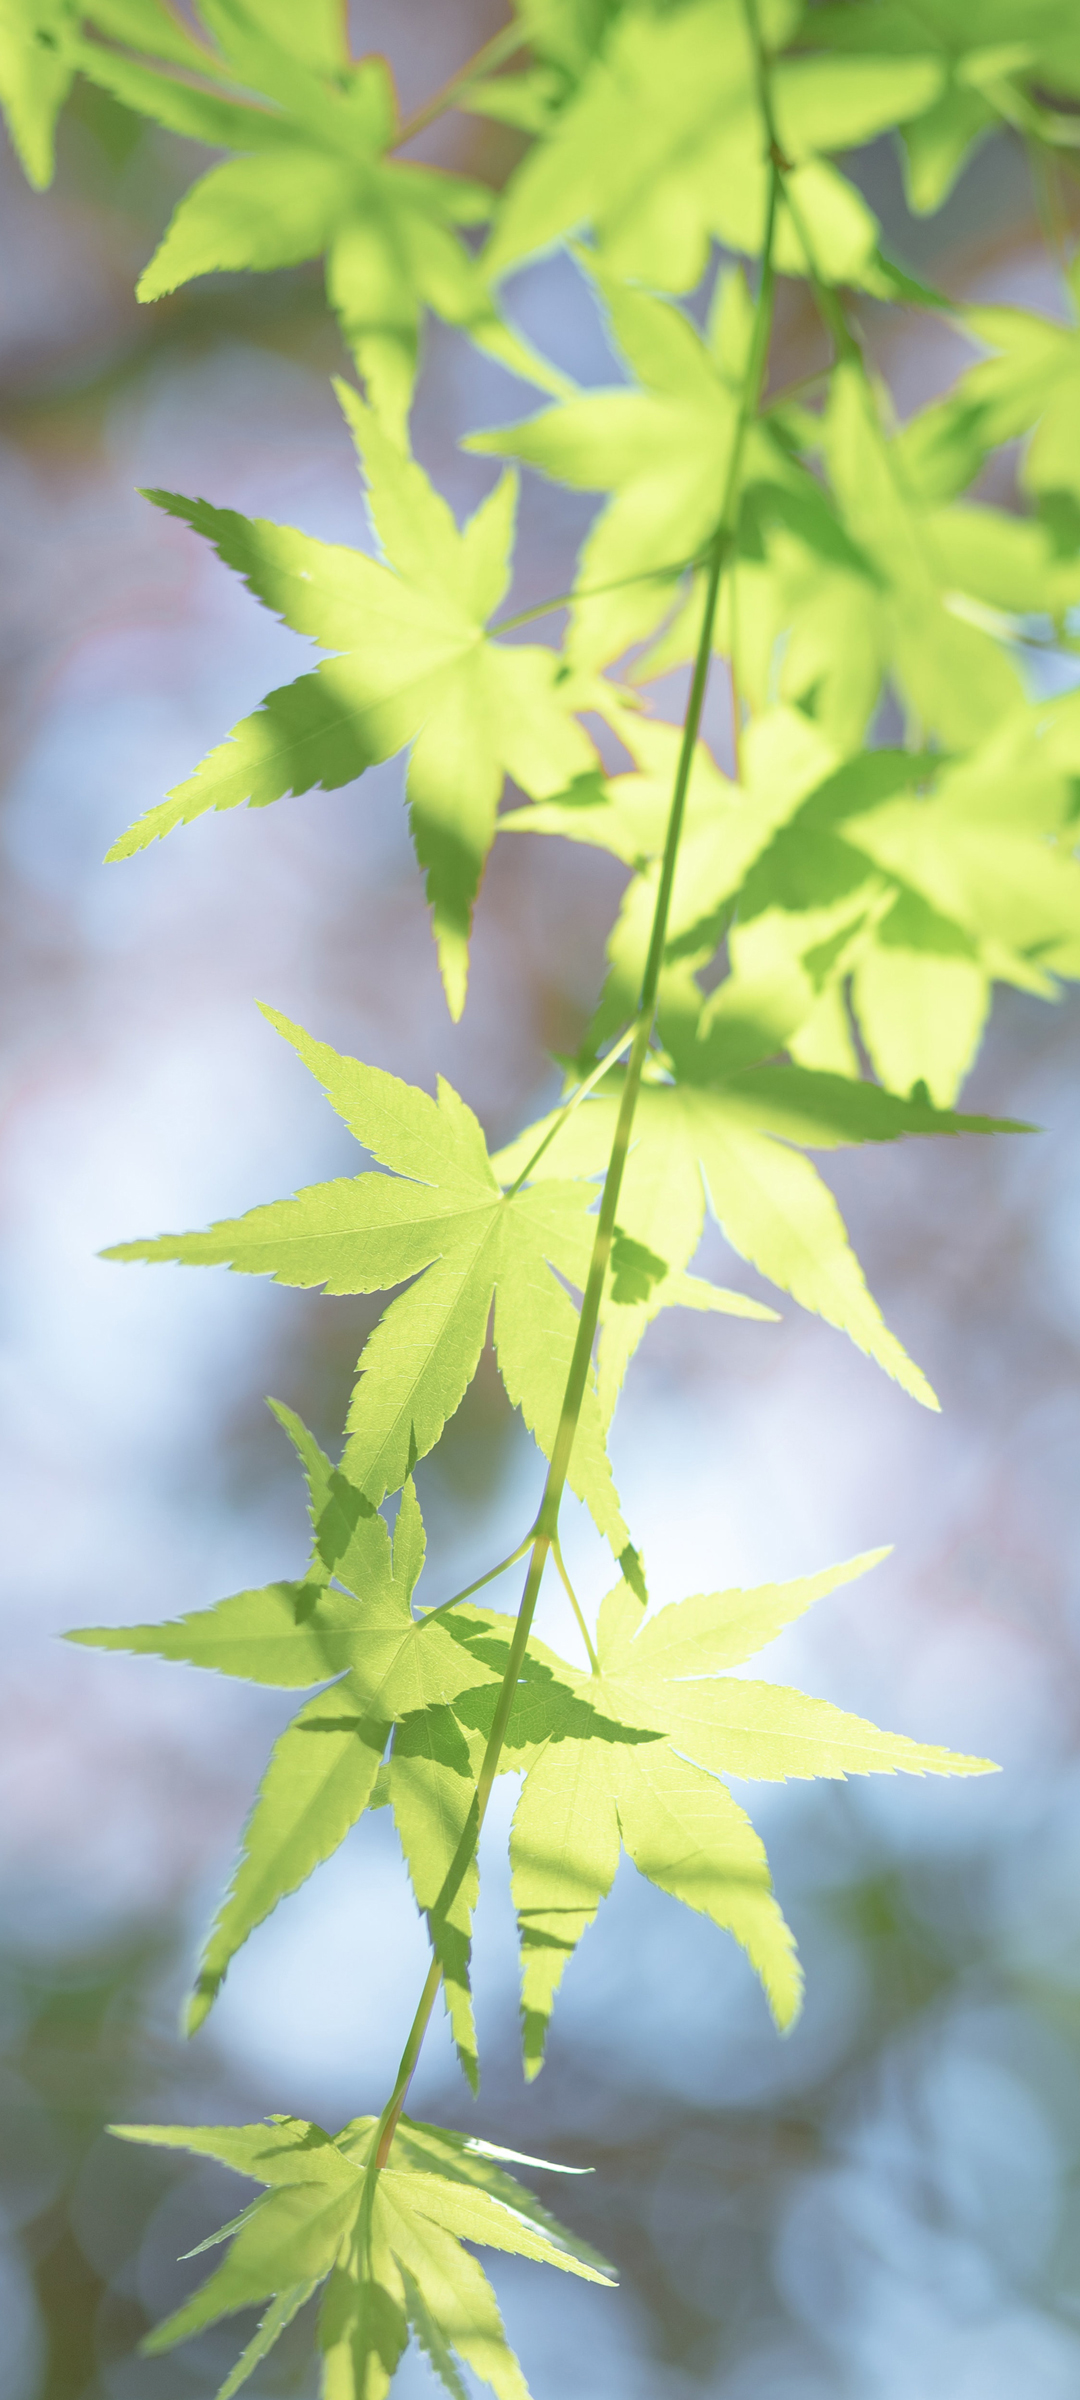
x: 834, y: 881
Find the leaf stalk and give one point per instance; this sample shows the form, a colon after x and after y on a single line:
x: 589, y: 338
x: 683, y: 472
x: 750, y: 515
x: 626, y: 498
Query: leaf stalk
x: 503, y: 45
x: 481, y: 1580
x: 567, y: 1110
x: 556, y: 1552
x: 596, y: 591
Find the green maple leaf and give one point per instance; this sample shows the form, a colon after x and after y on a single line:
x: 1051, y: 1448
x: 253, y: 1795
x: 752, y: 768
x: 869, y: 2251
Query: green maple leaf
x: 663, y: 149
x: 349, y: 1618
x: 727, y: 829
x: 414, y: 666
x: 385, y: 2243
x: 923, y: 880
x: 919, y: 880
x: 664, y: 449
x: 668, y: 1722
x: 427, y: 1686
x: 735, y: 1135
x: 885, y: 580
x: 313, y: 175
x: 439, y: 1216
x: 430, y: 1779
x: 900, y: 597
x: 997, y: 64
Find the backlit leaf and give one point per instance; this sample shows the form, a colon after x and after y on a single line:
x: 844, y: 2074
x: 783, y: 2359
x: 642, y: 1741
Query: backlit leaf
x: 667, y: 1722
x: 315, y: 178
x: 388, y: 1667
x: 731, y: 1138
x: 413, y: 666
x: 462, y: 1238
x: 385, y: 2245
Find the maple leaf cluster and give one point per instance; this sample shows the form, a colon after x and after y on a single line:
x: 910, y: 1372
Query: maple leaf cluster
x: 804, y: 955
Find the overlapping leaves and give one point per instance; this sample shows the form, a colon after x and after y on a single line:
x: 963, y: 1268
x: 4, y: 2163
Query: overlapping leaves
x: 648, y: 123
x: 902, y: 883
x: 347, y: 1623
x: 726, y: 1127
x: 385, y: 2245
x: 845, y: 583
x: 1004, y: 63
x: 313, y: 175
x: 659, y: 147
x: 1025, y: 390
x: 664, y: 450
x: 663, y: 149
x: 630, y: 1754
x: 898, y: 585
x: 909, y: 887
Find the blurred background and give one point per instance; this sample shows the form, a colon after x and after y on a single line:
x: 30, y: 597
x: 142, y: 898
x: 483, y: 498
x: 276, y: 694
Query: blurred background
x: 884, y: 2206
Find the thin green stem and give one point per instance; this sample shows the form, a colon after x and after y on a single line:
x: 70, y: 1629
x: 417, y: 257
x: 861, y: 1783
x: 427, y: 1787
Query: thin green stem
x: 502, y: 46
x: 407, y: 2068
x: 545, y: 1531
x: 567, y: 1110
x: 595, y: 591
x: 478, y: 1586
x: 828, y: 301
x: 830, y: 307
x: 556, y: 1552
